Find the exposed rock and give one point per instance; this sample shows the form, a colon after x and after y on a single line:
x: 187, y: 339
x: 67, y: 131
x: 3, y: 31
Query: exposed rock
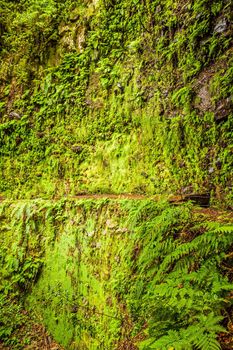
x: 14, y: 115
x: 91, y: 233
x: 77, y: 149
x: 211, y: 170
x: 120, y: 86
x: 220, y: 26
x: 80, y: 39
x: 187, y: 189
x: 203, y: 200
x: 223, y: 110
x: 205, y: 98
x: 110, y: 224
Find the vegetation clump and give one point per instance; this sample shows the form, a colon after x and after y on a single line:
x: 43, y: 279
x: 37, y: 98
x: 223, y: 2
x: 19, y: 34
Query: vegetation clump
x: 143, y: 88
x: 119, y: 273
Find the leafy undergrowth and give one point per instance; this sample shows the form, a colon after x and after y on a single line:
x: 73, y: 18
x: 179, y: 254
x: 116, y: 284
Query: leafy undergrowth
x: 22, y: 330
x: 181, y: 281
x: 120, y: 274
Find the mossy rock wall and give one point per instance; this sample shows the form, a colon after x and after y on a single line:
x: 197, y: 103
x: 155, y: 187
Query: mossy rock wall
x: 117, y: 274
x: 126, y: 96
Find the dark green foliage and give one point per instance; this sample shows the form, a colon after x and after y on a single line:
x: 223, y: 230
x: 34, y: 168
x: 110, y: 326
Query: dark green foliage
x: 179, y: 288
x: 11, y: 318
x: 101, y: 273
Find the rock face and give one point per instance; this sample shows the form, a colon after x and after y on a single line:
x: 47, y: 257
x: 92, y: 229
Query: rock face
x: 221, y: 26
x: 146, y: 91
x: 117, y: 96
x: 14, y: 115
x: 205, y: 99
x: 223, y: 110
x: 77, y: 149
x: 203, y: 200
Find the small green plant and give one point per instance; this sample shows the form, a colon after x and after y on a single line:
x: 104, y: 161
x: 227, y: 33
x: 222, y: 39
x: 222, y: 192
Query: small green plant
x: 11, y: 318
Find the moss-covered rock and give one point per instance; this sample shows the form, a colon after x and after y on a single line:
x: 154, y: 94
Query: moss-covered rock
x: 144, y: 87
x: 107, y: 274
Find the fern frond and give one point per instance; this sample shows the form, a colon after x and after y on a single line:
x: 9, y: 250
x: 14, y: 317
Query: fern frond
x: 206, y: 342
x: 174, y: 340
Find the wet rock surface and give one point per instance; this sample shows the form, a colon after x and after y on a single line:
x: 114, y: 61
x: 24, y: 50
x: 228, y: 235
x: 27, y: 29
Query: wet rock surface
x: 220, y: 26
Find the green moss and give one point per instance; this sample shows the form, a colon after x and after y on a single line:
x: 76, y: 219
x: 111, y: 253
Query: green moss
x: 129, y: 85
x: 98, y: 272
x: 115, y: 97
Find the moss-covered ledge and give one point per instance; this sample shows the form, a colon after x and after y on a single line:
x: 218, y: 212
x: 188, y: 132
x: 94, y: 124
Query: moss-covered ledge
x: 106, y: 274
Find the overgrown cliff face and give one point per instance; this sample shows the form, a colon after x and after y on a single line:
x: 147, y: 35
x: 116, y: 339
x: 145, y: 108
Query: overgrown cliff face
x: 116, y: 96
x: 117, y: 274
x: 109, y: 96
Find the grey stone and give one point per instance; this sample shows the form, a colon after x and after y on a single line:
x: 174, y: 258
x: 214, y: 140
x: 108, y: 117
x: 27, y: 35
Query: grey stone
x: 211, y: 170
x: 77, y: 149
x: 14, y: 115
x: 220, y: 26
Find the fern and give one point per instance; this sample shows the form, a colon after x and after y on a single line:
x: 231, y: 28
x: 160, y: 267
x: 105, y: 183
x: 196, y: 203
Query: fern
x: 180, y: 289
x: 202, y: 336
x: 172, y: 340
x: 213, y: 241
